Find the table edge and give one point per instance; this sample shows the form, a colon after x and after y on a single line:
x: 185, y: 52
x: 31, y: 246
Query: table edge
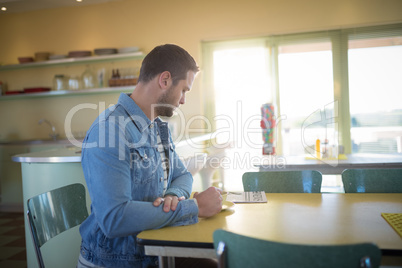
x: 165, y: 243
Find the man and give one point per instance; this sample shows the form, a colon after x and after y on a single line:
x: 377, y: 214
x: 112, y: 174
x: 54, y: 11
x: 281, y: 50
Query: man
x: 134, y: 176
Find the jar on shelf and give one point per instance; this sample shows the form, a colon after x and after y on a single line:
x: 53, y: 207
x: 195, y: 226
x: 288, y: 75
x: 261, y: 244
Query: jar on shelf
x: 60, y: 82
x: 88, y: 79
x: 74, y: 83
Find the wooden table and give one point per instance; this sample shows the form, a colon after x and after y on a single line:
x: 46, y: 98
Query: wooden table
x: 325, y: 219
x: 330, y: 166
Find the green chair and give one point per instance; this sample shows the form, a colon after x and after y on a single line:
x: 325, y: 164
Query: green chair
x: 303, y: 181
x: 54, y: 212
x: 238, y: 251
x: 372, y: 180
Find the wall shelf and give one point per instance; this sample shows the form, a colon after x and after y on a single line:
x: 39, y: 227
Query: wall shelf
x: 72, y: 61
x: 106, y: 90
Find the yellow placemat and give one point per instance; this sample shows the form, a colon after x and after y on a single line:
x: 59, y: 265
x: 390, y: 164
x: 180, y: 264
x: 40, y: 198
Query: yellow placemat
x: 395, y: 220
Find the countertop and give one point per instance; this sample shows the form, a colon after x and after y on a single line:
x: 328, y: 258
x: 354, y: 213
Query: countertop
x: 37, y: 141
x: 62, y: 155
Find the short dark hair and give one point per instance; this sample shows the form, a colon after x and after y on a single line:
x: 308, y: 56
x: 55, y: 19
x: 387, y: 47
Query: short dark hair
x: 168, y: 57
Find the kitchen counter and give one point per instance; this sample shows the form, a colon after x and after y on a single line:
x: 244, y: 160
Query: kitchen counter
x: 62, y: 155
x: 43, y: 171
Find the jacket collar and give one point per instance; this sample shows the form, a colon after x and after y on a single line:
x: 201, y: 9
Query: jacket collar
x: 139, y: 118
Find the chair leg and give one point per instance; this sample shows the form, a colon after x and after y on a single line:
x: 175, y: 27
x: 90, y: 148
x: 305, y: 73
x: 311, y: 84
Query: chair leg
x: 166, y: 262
x: 35, y: 241
x: 365, y: 262
x: 221, y: 254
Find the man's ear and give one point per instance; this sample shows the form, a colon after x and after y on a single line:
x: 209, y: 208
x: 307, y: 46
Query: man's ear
x: 165, y: 80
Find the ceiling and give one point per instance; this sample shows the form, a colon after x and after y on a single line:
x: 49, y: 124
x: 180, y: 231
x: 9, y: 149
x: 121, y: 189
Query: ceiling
x: 16, y: 6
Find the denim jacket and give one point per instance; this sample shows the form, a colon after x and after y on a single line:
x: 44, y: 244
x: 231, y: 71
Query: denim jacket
x: 124, y: 175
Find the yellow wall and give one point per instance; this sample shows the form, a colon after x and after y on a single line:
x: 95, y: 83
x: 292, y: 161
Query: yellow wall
x: 146, y: 23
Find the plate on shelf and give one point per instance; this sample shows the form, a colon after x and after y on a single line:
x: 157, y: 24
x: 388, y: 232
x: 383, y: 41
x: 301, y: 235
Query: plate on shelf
x: 128, y: 49
x: 14, y: 92
x: 79, y: 53
x: 36, y: 89
x: 105, y: 51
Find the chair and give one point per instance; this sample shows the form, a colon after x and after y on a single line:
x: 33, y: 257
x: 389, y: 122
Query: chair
x: 372, y: 180
x: 54, y: 212
x: 238, y: 251
x: 303, y: 181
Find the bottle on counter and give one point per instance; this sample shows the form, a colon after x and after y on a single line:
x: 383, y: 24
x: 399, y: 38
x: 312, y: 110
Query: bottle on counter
x: 318, y: 148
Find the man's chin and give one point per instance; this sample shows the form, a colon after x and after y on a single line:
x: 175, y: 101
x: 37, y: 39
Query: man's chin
x: 169, y: 113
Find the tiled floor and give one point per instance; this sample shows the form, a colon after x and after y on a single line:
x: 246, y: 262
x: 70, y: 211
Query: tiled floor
x: 12, y: 240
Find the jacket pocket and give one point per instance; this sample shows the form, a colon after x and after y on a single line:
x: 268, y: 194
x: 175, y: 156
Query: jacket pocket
x: 144, y: 164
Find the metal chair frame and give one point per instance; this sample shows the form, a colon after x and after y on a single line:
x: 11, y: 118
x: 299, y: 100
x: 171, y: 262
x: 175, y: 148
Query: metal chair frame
x: 54, y: 212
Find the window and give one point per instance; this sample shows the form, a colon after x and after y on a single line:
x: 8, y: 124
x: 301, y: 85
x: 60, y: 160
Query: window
x: 236, y: 86
x: 305, y: 87
x: 349, y: 79
x: 375, y: 94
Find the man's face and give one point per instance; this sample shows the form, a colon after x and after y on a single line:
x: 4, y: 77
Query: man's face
x: 174, y: 96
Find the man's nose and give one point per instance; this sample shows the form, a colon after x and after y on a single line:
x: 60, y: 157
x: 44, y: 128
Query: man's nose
x: 183, y: 99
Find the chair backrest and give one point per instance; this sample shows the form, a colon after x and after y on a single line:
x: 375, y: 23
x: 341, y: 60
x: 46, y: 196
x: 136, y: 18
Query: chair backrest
x: 303, y: 181
x: 54, y: 212
x: 238, y: 251
x: 372, y: 180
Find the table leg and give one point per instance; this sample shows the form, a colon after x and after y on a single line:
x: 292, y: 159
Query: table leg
x: 166, y: 262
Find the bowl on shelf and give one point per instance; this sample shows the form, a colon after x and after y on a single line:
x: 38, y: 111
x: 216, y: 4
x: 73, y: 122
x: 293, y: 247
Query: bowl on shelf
x: 42, y: 56
x: 57, y: 57
x: 79, y: 53
x: 25, y: 59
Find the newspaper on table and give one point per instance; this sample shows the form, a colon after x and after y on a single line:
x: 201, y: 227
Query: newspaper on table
x: 247, y: 197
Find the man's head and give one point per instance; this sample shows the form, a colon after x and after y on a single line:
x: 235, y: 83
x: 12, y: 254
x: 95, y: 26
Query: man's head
x: 174, y: 95
x: 171, y: 58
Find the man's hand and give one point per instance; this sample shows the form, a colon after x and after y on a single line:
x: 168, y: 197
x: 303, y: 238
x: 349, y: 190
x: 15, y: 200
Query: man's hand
x: 169, y: 202
x: 209, y: 202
